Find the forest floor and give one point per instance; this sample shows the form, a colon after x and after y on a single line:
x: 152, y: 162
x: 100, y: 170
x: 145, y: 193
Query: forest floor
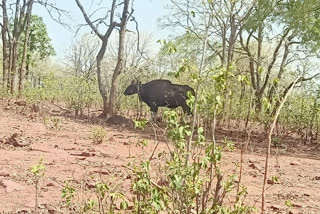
x: 70, y: 155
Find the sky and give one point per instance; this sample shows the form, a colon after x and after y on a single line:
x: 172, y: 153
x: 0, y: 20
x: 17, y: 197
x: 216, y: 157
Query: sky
x: 147, y: 13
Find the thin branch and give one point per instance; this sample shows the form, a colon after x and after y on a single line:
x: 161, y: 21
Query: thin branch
x: 270, y: 140
x: 86, y: 17
x: 53, y: 10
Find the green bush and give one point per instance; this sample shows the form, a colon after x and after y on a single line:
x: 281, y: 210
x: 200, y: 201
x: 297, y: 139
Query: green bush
x: 190, y: 181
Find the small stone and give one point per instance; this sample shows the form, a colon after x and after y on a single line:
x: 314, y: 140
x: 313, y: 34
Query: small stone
x: 50, y: 184
x: 20, y: 103
x: 252, y: 160
x: 275, y: 207
x: 85, y: 154
x: 270, y: 182
x: 296, y: 205
x: 18, y: 141
x: 81, y: 158
x: 91, y: 185
x: 103, y: 172
x: 255, y: 166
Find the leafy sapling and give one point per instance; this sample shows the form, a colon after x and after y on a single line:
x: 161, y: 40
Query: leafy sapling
x: 38, y: 171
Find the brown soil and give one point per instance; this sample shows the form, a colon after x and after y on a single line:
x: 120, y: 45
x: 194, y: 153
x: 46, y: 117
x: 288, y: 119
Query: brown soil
x: 69, y: 154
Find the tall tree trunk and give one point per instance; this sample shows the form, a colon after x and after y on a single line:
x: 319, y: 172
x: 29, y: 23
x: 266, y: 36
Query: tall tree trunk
x: 119, y: 66
x: 100, y: 81
x: 14, y: 46
x: 5, y: 48
x: 25, y: 48
x: 14, y: 68
x: 27, y: 76
x: 9, y: 67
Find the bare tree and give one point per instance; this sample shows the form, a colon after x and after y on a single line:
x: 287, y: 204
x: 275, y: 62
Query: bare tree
x: 134, y: 57
x: 108, y: 108
x: 81, y: 58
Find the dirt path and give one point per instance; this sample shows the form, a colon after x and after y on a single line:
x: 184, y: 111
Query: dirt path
x: 70, y: 155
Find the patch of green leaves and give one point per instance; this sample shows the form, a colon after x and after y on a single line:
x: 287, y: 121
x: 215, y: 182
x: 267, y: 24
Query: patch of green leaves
x: 140, y: 124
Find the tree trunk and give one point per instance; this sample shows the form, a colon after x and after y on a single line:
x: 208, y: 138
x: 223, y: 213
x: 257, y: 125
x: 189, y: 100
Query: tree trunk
x: 14, y: 46
x: 108, y: 107
x: 100, y: 81
x: 258, y: 102
x: 25, y: 48
x: 14, y: 68
x: 5, y: 48
x: 27, y: 76
x: 11, y: 40
x: 119, y: 67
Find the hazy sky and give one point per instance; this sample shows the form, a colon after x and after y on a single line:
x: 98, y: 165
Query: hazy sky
x: 147, y: 13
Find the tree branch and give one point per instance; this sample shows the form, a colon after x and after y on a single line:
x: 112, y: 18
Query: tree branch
x: 86, y: 17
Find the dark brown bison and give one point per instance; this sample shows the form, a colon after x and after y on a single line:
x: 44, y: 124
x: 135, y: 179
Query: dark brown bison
x: 159, y: 92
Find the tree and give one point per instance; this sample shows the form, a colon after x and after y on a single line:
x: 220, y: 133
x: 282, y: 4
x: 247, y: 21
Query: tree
x: 268, y: 37
x: 81, y: 58
x: 38, y: 47
x: 20, y: 16
x: 108, y: 107
x: 289, y: 45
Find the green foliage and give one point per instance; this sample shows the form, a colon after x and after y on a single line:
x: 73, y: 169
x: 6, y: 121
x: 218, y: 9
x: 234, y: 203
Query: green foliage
x: 303, y: 16
x: 38, y: 169
x: 168, y: 46
x: 98, y: 135
x: 182, y: 184
x: 149, y: 198
x: 77, y: 92
x: 80, y: 93
x: 275, y: 179
x: 106, y: 200
x: 142, y: 143
x: 40, y: 46
x: 288, y: 203
x: 140, y: 124
x: 276, y: 141
x: 89, y: 205
x: 68, y: 193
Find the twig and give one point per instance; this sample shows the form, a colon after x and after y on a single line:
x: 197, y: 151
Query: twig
x: 269, y: 144
x: 156, y: 140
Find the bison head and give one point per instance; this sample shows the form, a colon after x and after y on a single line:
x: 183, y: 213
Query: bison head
x: 133, y: 87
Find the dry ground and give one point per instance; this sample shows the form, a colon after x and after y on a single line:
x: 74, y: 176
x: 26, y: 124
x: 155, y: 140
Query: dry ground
x: 70, y: 155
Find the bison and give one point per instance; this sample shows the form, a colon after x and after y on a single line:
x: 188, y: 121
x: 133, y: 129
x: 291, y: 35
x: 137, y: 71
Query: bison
x: 160, y: 92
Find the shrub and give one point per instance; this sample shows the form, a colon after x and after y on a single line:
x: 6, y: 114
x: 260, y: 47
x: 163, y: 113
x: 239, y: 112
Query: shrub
x: 98, y: 135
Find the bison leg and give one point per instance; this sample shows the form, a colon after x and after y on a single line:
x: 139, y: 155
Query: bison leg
x: 186, y: 109
x: 153, y: 116
x: 154, y: 110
